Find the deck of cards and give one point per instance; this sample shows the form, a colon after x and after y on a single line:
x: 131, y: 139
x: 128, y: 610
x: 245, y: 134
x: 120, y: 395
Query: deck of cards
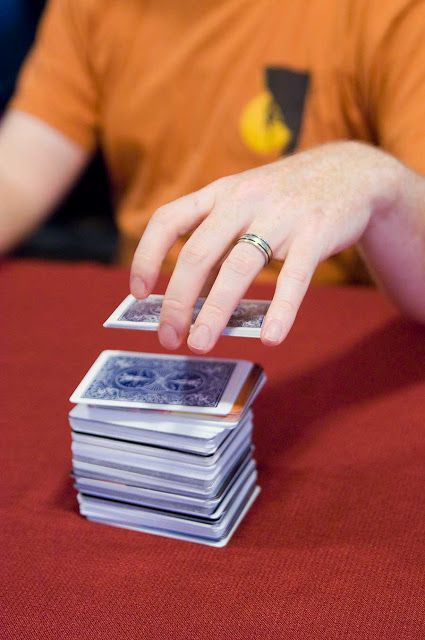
x: 163, y: 444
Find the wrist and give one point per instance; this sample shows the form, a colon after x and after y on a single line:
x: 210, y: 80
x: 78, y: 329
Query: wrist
x: 386, y: 178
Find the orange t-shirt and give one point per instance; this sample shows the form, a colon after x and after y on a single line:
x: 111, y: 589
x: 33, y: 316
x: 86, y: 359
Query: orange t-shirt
x: 179, y: 93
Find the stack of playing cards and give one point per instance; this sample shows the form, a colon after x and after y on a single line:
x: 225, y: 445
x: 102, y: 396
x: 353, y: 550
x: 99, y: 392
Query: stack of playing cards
x: 162, y: 444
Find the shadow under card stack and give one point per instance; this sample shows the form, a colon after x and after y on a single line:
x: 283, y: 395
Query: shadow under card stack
x: 163, y: 444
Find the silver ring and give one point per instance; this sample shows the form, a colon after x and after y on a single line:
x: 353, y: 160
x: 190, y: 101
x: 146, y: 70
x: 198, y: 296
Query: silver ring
x: 260, y: 243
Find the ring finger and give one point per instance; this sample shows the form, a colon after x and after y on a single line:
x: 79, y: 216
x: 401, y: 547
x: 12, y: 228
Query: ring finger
x: 301, y: 261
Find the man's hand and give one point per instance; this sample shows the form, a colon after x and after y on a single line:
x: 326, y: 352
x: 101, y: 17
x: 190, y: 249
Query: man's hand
x: 307, y: 207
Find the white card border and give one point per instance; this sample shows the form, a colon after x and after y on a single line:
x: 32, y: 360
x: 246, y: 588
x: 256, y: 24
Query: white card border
x: 113, y: 322
x: 179, y: 536
x: 237, y: 379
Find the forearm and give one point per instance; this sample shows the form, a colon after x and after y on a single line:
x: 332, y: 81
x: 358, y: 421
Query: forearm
x: 19, y: 213
x: 37, y: 166
x: 393, y: 244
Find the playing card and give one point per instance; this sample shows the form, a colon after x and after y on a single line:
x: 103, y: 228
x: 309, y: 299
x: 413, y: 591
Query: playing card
x: 205, y: 488
x: 195, y: 473
x: 212, y: 508
x: 253, y: 384
x: 222, y: 542
x: 252, y: 387
x: 155, y: 430
x: 135, y: 418
x: 119, y: 513
x: 148, y: 381
x: 246, y: 321
x: 86, y: 443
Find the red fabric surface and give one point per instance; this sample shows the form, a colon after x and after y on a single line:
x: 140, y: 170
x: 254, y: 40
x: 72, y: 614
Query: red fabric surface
x: 334, y: 546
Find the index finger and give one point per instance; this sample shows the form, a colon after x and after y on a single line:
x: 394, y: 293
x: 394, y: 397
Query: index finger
x: 167, y: 223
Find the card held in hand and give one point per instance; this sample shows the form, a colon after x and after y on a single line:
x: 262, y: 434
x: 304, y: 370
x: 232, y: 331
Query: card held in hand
x: 246, y: 321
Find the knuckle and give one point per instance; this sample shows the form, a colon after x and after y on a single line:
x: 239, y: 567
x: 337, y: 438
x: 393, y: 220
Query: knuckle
x: 299, y: 275
x: 161, y: 216
x: 197, y: 202
x: 214, y: 224
x: 212, y: 308
x: 203, y: 199
x: 319, y: 214
x: 241, y: 262
x: 284, y: 306
x: 145, y: 258
x: 192, y: 254
x: 220, y: 182
x: 174, y: 305
x: 316, y: 222
x: 244, y: 189
x: 143, y: 261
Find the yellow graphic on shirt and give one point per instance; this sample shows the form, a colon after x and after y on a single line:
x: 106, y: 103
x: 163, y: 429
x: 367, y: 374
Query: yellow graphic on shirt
x: 262, y: 125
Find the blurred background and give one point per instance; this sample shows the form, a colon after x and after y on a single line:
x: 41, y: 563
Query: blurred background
x: 82, y: 228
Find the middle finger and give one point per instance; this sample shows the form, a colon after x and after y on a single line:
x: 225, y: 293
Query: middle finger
x: 237, y: 272
x: 202, y: 251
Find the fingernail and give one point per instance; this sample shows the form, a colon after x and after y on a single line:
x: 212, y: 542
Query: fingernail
x: 168, y: 336
x: 200, y: 337
x: 274, y: 331
x: 138, y: 287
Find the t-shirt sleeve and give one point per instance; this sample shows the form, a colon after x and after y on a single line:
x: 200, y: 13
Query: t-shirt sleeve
x: 56, y: 83
x: 391, y: 67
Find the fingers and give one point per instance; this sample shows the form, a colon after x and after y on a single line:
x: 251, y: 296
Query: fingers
x: 197, y: 259
x: 166, y: 225
x: 292, y: 284
x: 237, y: 272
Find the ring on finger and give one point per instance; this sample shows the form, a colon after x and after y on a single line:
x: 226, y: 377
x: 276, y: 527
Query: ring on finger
x: 259, y: 243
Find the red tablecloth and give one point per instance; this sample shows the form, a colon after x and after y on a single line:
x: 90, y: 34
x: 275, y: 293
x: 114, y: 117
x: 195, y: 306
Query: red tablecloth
x: 332, y: 549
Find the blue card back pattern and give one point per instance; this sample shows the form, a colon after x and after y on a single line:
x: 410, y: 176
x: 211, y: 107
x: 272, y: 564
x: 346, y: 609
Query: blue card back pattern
x: 248, y: 314
x: 160, y: 381
x: 150, y: 310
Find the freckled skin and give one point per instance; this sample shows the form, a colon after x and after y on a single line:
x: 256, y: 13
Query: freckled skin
x: 308, y: 207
